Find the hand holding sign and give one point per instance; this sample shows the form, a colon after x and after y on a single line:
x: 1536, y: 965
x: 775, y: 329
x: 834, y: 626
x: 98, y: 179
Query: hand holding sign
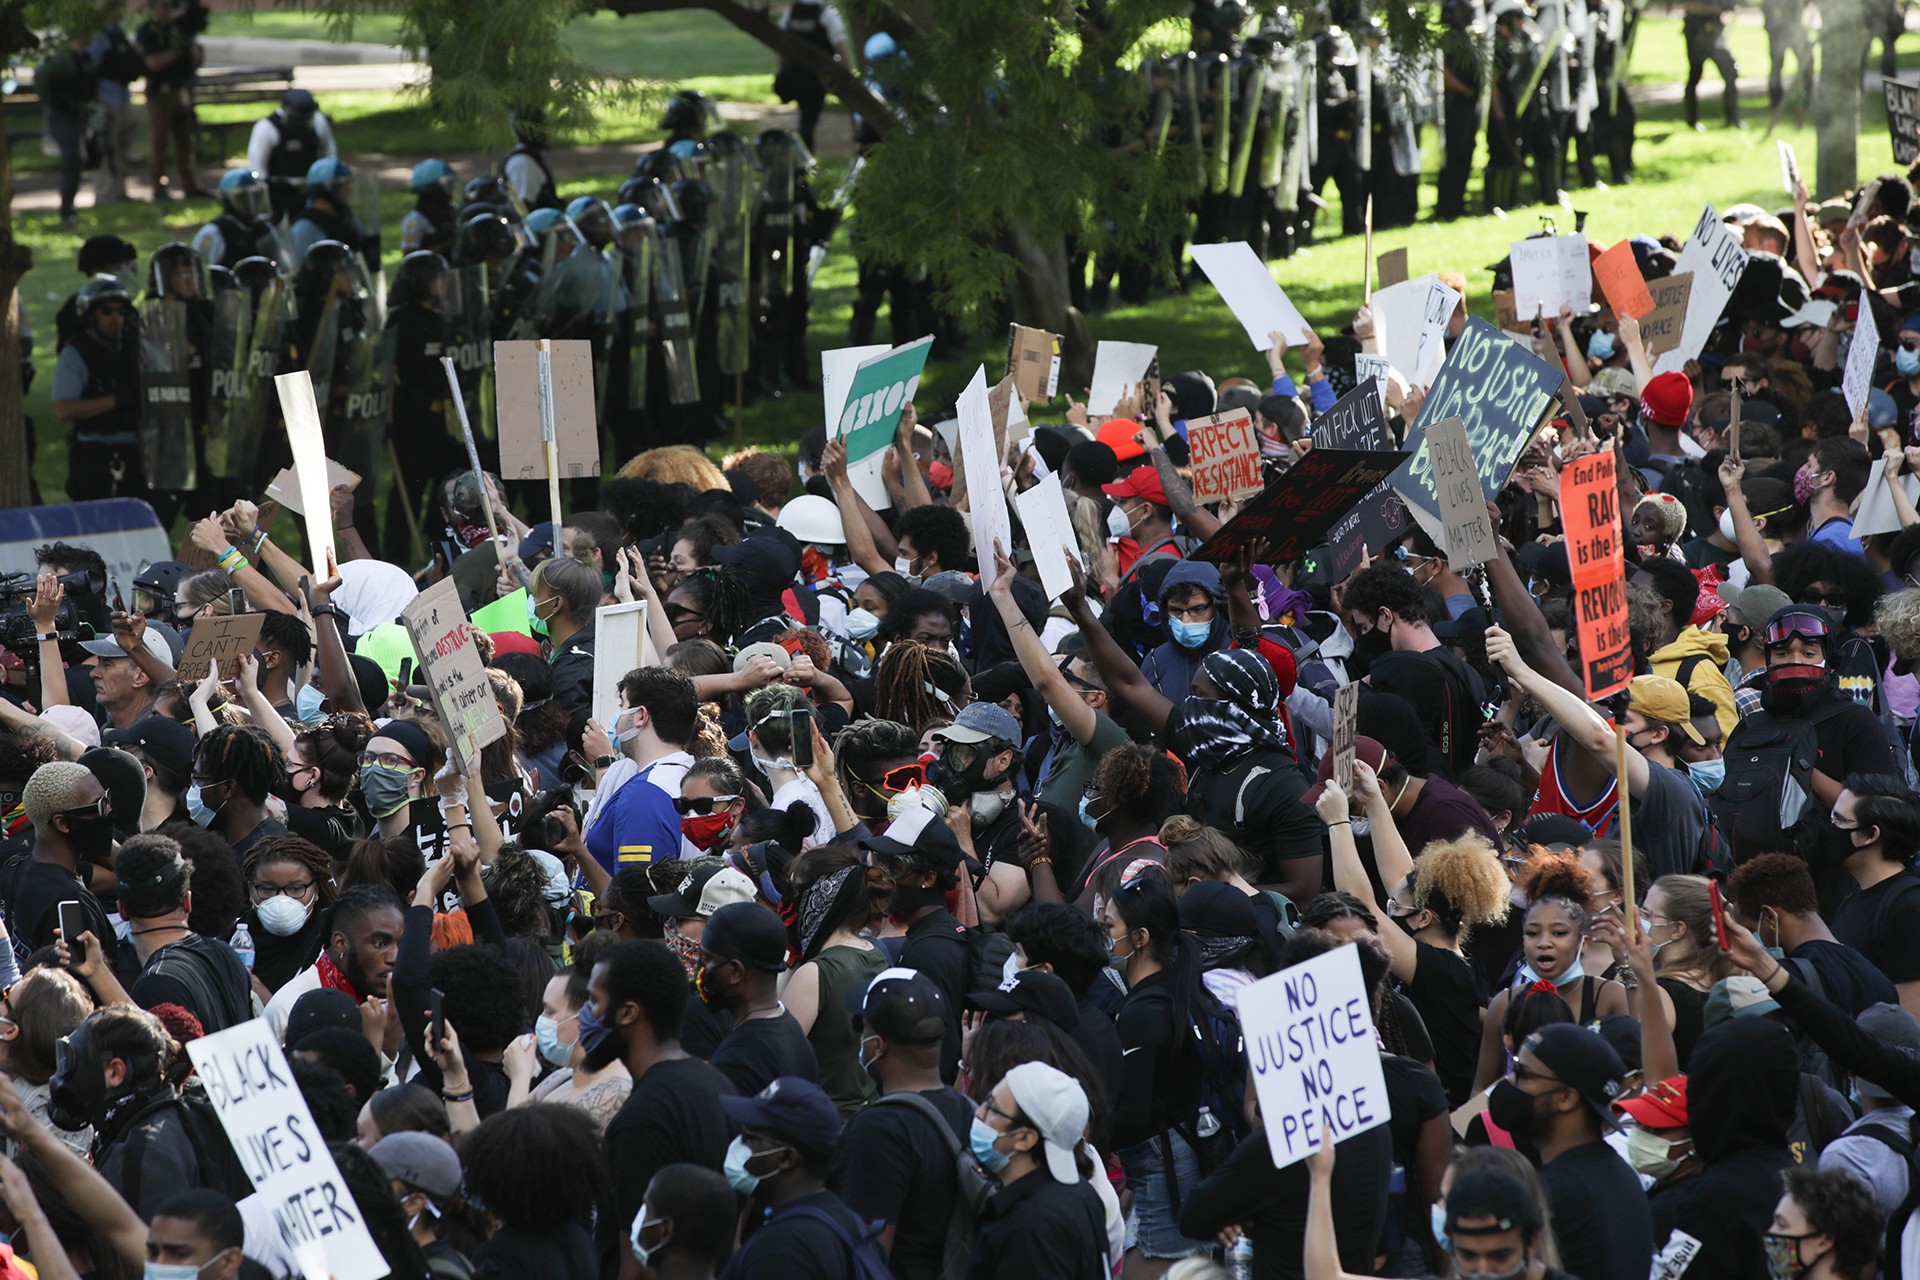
x: 1310, y: 1044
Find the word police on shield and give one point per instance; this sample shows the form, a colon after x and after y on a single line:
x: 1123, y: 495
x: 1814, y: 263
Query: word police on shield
x: 1315, y: 1058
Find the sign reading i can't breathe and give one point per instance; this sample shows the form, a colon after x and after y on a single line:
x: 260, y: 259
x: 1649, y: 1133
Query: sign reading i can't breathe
x: 1315, y: 1059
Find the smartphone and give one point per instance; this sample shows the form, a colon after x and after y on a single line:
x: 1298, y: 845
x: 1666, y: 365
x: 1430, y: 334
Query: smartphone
x: 436, y: 1019
x: 73, y: 923
x: 802, y: 723
x: 236, y: 601
x: 405, y: 677
x: 1719, y: 915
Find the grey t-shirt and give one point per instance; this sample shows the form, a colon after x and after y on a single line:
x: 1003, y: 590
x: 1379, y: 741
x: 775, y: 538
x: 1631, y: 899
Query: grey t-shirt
x: 1670, y: 822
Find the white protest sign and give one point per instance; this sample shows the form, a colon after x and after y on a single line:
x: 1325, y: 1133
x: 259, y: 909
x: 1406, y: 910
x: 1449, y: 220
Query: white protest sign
x: 619, y: 639
x: 981, y: 460
x: 309, y: 445
x: 450, y: 668
x: 1550, y: 272
x: 1789, y: 168
x: 836, y: 380
x: 285, y: 487
x: 1877, y: 514
x: 1714, y: 256
x: 1316, y: 1063
x: 1049, y: 530
x: 1857, y: 380
x: 1117, y: 368
x: 1410, y: 326
x: 280, y: 1147
x: 1250, y: 292
x: 1378, y: 368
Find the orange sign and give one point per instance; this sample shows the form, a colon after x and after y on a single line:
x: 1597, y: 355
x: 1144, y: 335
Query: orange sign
x: 1590, y: 512
x: 1619, y: 276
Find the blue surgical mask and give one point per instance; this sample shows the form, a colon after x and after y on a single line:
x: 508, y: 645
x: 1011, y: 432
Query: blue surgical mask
x: 862, y: 624
x: 197, y: 808
x: 1439, y: 1219
x: 1087, y: 820
x: 546, y: 1035
x: 1600, y: 346
x: 1189, y: 635
x: 738, y: 1153
x: 1907, y: 362
x: 981, y: 1139
x: 1707, y: 774
x: 306, y: 704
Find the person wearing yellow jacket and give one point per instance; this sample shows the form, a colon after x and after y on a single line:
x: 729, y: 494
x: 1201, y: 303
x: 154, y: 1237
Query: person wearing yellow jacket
x: 1695, y: 658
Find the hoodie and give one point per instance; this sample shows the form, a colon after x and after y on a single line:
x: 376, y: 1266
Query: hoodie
x: 1741, y: 1084
x: 1169, y: 668
x: 1707, y: 677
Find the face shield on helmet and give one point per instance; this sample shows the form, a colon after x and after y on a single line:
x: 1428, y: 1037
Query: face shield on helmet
x: 634, y: 227
x: 177, y: 273
x: 593, y: 220
x: 431, y: 177
x: 330, y: 178
x: 421, y: 281
x: 245, y: 195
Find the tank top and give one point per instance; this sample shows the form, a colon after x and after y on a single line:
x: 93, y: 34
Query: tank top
x: 1553, y: 797
x: 836, y: 1045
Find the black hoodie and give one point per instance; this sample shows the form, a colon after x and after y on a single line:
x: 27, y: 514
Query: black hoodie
x: 1740, y: 1097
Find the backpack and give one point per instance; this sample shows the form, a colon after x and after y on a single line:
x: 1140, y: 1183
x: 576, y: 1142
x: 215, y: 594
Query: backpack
x: 1688, y: 484
x: 865, y: 1261
x: 973, y: 1189
x: 1766, y: 804
x: 1222, y: 1050
x: 1904, y: 1146
x: 220, y: 1167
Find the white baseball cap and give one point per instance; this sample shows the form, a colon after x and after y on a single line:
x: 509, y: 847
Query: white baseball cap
x: 1057, y: 1105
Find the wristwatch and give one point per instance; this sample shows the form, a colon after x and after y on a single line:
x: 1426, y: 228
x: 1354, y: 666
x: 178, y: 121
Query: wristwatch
x: 605, y: 762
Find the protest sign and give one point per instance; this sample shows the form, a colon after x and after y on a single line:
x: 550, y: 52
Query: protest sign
x: 1410, y: 325
x: 1375, y: 522
x: 1316, y: 1065
x: 1346, y: 715
x: 285, y: 487
x: 1354, y: 421
x: 1550, y: 272
x: 1506, y: 319
x: 1226, y: 457
x: 1576, y: 416
x: 1876, y: 513
x: 1009, y: 415
x: 1393, y: 267
x: 1903, y: 119
x: 1117, y: 368
x: 1251, y: 293
x: 836, y: 380
x: 218, y: 639
x: 1789, y: 168
x: 508, y: 613
x: 1357, y: 420
x: 1049, y: 534
x: 1660, y: 327
x: 309, y: 446
x: 881, y: 388
x: 1715, y: 257
x: 1500, y: 390
x: 987, y: 501
x: 1294, y: 513
x: 1373, y: 369
x: 1463, y: 511
x: 619, y: 640
x: 1033, y: 358
x: 516, y: 393
x: 450, y: 668
x: 1617, y: 272
x: 1857, y: 380
x: 1590, y: 513
x: 266, y: 1119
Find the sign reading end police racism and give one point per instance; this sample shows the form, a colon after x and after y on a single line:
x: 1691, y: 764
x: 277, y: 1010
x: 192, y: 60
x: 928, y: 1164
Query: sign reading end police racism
x: 280, y: 1147
x: 1316, y: 1062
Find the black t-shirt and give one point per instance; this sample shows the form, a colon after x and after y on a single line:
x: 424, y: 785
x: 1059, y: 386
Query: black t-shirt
x: 33, y: 891
x: 793, y: 1246
x: 892, y: 1168
x: 1445, y: 693
x: 202, y: 976
x: 562, y: 1254
x: 1256, y: 800
x: 1449, y: 995
x: 1413, y: 1028
x: 1272, y: 1203
x: 1415, y: 1095
x: 1040, y: 1227
x: 267, y: 827
x: 1600, y: 1214
x: 1160, y: 1087
x: 759, y: 1051
x: 1099, y: 1039
x: 1882, y: 923
x: 1846, y: 977
x: 703, y: 1027
x: 936, y: 945
x: 672, y: 1116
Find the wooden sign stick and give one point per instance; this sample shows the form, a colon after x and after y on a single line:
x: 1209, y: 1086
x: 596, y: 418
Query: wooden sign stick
x: 1366, y: 266
x: 1628, y: 908
x: 473, y: 460
x: 548, y: 438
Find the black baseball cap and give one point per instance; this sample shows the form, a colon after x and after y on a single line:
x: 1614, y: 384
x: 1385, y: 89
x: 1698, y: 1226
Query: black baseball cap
x: 1583, y: 1061
x: 165, y: 743
x: 791, y: 1109
x: 1035, y: 992
x: 748, y: 932
x: 901, y: 1005
x: 1498, y: 1194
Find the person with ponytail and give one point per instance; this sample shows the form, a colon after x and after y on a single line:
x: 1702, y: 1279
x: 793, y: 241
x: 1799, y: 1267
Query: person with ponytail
x: 1677, y: 918
x: 838, y: 898
x: 320, y: 770
x: 1559, y: 894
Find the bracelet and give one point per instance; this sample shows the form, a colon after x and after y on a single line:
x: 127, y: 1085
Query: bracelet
x: 1767, y: 981
x: 232, y: 561
x: 1344, y: 822
x: 1044, y: 860
x: 455, y: 826
x: 456, y: 1097
x: 259, y: 540
x: 324, y: 611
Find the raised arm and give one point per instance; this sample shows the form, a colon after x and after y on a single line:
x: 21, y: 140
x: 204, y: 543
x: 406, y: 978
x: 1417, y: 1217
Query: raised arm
x: 1193, y: 517
x: 1636, y: 354
x: 1350, y: 875
x: 633, y: 573
x: 913, y: 485
x: 1076, y: 717
x: 44, y: 610
x: 211, y: 536
x: 28, y: 725
x: 263, y: 713
x: 88, y: 1194
x: 335, y: 672
x: 1578, y: 721
x: 1390, y: 855
x: 1521, y: 613
x: 863, y: 545
x: 1120, y: 671
x: 1746, y: 531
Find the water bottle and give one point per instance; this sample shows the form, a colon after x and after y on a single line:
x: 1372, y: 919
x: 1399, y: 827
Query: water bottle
x: 1240, y: 1258
x: 243, y: 945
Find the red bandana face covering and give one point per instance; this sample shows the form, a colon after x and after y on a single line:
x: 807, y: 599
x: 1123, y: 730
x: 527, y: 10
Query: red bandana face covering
x: 332, y: 978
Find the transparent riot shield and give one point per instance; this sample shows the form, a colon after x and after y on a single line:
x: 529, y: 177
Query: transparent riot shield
x: 166, y: 398
x: 574, y: 297
x: 226, y: 361
x: 365, y: 395
x: 696, y: 264
x: 734, y: 180
x: 635, y: 259
x: 1247, y: 120
x: 673, y: 318
x: 1219, y: 151
x: 366, y: 206
x: 468, y: 308
x: 256, y: 406
x: 773, y: 231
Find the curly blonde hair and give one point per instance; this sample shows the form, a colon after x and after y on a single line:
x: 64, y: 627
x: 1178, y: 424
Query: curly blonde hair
x: 676, y: 464
x: 1898, y: 615
x: 1462, y: 882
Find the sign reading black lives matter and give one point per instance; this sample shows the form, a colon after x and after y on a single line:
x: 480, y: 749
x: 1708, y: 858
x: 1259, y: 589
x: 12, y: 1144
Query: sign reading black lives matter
x: 1903, y: 119
x: 1500, y: 391
x: 1294, y: 513
x: 1356, y: 421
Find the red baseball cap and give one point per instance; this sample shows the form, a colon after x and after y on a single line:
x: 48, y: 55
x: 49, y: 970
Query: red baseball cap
x: 1662, y: 1106
x: 513, y: 642
x: 1141, y: 482
x: 1122, y: 436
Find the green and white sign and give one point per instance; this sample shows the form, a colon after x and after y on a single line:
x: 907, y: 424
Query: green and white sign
x: 882, y: 387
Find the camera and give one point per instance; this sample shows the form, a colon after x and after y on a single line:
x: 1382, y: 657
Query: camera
x: 18, y: 632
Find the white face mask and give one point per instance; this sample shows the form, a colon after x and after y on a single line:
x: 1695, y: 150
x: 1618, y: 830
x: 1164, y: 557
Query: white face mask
x: 903, y: 566
x: 282, y: 916
x: 862, y: 625
x: 1118, y: 525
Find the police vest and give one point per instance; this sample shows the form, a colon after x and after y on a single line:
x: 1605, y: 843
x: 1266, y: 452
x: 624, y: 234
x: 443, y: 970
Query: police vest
x: 238, y: 238
x: 108, y: 369
x: 548, y: 196
x: 298, y: 148
x: 804, y: 19
x: 439, y: 213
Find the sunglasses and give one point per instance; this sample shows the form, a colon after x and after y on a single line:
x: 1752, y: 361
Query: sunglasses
x: 701, y: 806
x: 898, y: 779
x: 1838, y: 599
x: 101, y: 808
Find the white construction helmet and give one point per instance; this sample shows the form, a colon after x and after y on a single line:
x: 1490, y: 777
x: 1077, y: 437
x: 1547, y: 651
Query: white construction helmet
x: 815, y: 520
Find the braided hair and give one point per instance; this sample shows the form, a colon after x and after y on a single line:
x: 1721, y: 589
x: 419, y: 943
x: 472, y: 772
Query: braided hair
x: 868, y: 743
x: 244, y: 756
x: 1333, y: 905
x: 723, y: 596
x: 916, y: 685
x: 294, y: 849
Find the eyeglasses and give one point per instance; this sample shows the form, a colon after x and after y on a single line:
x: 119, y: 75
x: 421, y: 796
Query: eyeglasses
x: 1648, y: 920
x: 391, y: 759
x: 700, y: 805
x: 263, y: 892
x: 1522, y: 1073
x: 1191, y: 612
x: 1836, y: 598
x: 101, y: 808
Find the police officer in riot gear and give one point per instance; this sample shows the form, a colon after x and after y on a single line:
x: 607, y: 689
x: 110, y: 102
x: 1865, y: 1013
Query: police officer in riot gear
x: 242, y: 228
x: 688, y: 117
x: 422, y: 443
x: 96, y: 390
x: 816, y: 23
x: 328, y: 214
x: 430, y: 224
x: 485, y: 239
x: 524, y: 172
x: 1461, y: 81
x: 484, y: 194
x: 99, y: 255
x: 625, y: 396
x: 788, y: 225
x: 176, y: 334
x: 284, y: 146
x: 1704, y: 25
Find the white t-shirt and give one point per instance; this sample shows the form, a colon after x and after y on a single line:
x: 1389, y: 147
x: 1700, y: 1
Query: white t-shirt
x: 803, y: 788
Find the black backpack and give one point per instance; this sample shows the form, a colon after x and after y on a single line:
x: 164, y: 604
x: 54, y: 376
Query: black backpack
x: 864, y: 1259
x: 220, y: 1167
x: 1766, y: 803
x: 973, y: 1189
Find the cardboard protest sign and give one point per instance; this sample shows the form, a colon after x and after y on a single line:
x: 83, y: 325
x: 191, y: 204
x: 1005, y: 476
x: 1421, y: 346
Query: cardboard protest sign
x: 1346, y: 717
x: 1500, y: 390
x: 1049, y: 534
x: 272, y: 1132
x: 1903, y: 119
x: 881, y: 388
x: 1876, y: 513
x: 1617, y: 272
x: 285, y: 487
x: 516, y: 393
x: 1294, y: 513
x: 1715, y: 257
x: 987, y: 501
x: 1590, y: 513
x: 450, y: 668
x: 1033, y: 358
x: 836, y: 380
x: 1660, y: 327
x: 1463, y: 511
x: 218, y: 639
x: 1857, y: 379
x: 1354, y: 421
x: 1226, y: 457
x: 1506, y: 319
x: 1316, y: 1065
x: 309, y: 445
x: 1576, y: 416
x: 1550, y: 272
x: 1368, y: 368
x: 1357, y: 420
x: 1117, y: 368
x: 1251, y: 293
x: 1009, y: 415
x: 619, y: 640
x: 1410, y: 324
x: 1393, y: 267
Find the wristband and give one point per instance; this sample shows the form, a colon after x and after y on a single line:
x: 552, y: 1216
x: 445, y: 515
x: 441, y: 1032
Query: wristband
x: 324, y: 611
x: 456, y: 1097
x: 1344, y: 822
x: 455, y: 826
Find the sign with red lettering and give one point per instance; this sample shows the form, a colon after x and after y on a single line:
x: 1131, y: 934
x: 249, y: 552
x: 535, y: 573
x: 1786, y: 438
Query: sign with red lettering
x: 450, y: 666
x: 1590, y: 512
x: 1226, y: 457
x: 1294, y: 513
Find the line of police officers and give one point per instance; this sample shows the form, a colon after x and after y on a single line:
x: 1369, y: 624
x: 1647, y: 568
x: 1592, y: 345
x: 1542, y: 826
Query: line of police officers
x: 696, y: 277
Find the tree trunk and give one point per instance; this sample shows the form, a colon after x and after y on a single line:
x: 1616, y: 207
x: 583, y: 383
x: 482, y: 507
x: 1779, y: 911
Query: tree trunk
x: 1042, y: 300
x: 16, y: 467
x: 1843, y: 51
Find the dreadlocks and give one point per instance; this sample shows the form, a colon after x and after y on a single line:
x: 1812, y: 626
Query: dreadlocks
x: 244, y: 756
x: 308, y: 855
x: 916, y: 685
x: 722, y: 595
x: 864, y: 746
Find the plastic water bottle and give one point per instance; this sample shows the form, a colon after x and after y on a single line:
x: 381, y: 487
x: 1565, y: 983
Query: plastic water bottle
x: 1240, y: 1258
x: 243, y: 945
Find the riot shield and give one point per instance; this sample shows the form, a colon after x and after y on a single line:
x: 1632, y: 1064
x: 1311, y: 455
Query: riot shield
x: 1219, y: 150
x: 574, y: 297
x: 256, y: 405
x: 635, y: 331
x: 773, y: 231
x: 226, y: 359
x: 366, y: 205
x: 695, y: 247
x: 468, y: 310
x: 166, y: 398
x: 364, y: 395
x: 734, y: 180
x: 1253, y: 86
x: 673, y: 318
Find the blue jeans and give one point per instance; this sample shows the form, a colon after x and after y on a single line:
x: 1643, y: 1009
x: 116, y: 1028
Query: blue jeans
x: 1153, y: 1226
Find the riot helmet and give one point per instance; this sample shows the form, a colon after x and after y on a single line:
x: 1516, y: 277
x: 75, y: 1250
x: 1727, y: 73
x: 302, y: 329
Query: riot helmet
x: 693, y: 199
x: 154, y: 588
x: 778, y: 147
x: 219, y: 280
x: 256, y: 274
x: 298, y: 106
x: 653, y: 198
x: 420, y: 281
x: 529, y: 125
x: 633, y: 226
x: 484, y: 236
x: 101, y: 291
x: 432, y: 176
x: 330, y: 178
x: 662, y: 165
x: 176, y: 272
x: 330, y: 267
x: 550, y: 226
x: 243, y: 193
x: 593, y: 220
x: 689, y: 111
